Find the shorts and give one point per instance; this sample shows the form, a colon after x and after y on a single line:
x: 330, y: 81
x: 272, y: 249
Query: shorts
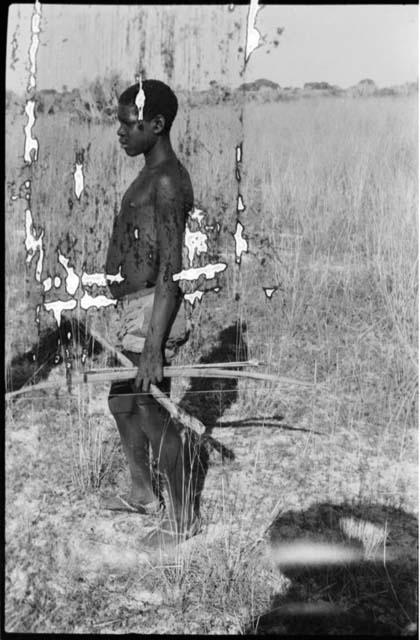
x: 136, y: 316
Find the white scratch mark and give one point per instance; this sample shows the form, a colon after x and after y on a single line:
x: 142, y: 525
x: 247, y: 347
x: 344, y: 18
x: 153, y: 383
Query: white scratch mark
x: 252, y: 34
x: 196, y: 243
x: 31, y: 144
x: 57, y: 306
x: 197, y: 214
x: 87, y: 301
x: 269, y: 291
x: 192, y: 297
x: 68, y: 335
x: 239, y: 153
x: 57, y: 282
x: 117, y: 277
x: 241, y: 243
x: 240, y: 205
x: 217, y: 228
x: 27, y: 184
x: 90, y: 279
x: 208, y: 270
x: 72, y: 279
x: 35, y: 24
x: 14, y: 196
x: 47, y: 284
x: 37, y: 312
x: 33, y: 245
x: 140, y: 98
x: 216, y: 289
x: 136, y: 233
x: 78, y: 180
x: 306, y: 552
x: 100, y: 279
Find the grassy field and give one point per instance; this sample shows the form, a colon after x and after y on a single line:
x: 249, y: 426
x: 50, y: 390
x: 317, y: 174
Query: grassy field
x: 331, y: 194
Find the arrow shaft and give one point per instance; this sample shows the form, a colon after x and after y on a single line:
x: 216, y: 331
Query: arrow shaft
x: 128, y: 373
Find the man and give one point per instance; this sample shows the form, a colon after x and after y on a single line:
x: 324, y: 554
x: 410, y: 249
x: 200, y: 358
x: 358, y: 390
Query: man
x: 146, y: 242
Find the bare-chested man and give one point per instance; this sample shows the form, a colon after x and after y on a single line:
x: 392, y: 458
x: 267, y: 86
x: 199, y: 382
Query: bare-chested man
x: 146, y: 244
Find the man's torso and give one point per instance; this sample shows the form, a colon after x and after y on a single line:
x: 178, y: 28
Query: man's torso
x: 133, y: 244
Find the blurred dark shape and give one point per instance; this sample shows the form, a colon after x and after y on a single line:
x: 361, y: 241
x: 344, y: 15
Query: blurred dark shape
x: 375, y: 596
x: 36, y: 364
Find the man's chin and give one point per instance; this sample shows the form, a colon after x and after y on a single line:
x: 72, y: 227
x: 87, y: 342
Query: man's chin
x: 132, y: 152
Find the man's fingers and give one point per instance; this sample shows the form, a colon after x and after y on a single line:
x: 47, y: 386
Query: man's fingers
x: 147, y: 376
x: 142, y: 383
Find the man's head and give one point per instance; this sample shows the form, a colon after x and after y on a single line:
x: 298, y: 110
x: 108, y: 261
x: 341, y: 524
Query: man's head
x: 160, y: 108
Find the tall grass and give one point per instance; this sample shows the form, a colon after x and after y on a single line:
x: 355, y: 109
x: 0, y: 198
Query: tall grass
x: 339, y: 177
x: 331, y: 196
x: 94, y: 445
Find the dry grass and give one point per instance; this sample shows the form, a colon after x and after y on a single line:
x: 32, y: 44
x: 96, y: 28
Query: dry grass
x: 94, y: 444
x: 331, y: 193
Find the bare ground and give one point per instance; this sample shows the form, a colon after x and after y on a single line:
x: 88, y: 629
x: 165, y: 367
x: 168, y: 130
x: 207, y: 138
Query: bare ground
x: 71, y: 567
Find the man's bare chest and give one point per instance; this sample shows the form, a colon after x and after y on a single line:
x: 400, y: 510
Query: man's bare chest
x: 137, y: 211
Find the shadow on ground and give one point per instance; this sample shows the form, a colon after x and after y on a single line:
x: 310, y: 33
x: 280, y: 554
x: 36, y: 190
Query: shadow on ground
x: 49, y: 351
x: 375, y: 596
x: 270, y: 421
x: 208, y: 398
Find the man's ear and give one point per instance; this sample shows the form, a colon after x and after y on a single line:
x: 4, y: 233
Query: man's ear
x: 158, y: 124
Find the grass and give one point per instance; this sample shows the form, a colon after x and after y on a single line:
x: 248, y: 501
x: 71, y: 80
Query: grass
x: 93, y: 446
x: 331, y: 193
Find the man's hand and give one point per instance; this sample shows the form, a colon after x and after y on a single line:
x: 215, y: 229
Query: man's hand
x: 150, y: 370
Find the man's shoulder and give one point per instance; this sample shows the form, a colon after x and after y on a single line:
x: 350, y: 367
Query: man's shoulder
x: 171, y: 176
x: 172, y: 167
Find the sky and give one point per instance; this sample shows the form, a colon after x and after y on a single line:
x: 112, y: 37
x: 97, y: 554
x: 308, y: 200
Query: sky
x: 339, y: 44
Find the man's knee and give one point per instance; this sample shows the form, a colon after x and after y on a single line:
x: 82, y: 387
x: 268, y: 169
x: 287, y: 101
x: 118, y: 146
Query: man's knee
x: 120, y: 400
x: 120, y: 404
x: 164, y: 437
x: 115, y: 405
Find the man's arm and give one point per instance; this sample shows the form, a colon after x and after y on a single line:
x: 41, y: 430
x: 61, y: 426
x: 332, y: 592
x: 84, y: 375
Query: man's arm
x: 169, y: 213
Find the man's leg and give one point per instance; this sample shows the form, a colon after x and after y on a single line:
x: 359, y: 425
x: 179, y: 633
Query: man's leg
x: 134, y: 441
x: 171, y: 456
x: 141, y: 421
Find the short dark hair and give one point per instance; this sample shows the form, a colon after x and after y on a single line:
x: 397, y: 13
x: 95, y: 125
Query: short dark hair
x: 159, y: 99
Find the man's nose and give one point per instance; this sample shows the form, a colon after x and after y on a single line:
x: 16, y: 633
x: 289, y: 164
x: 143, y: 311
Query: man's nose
x: 120, y: 131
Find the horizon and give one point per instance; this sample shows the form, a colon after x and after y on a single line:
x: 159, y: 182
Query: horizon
x: 353, y: 42
x: 67, y: 89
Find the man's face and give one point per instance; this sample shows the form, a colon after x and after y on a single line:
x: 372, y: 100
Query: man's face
x: 136, y: 136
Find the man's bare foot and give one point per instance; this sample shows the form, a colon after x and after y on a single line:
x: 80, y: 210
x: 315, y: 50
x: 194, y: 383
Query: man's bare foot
x: 125, y: 503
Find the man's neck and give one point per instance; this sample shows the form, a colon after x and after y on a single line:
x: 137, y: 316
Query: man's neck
x: 161, y: 152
